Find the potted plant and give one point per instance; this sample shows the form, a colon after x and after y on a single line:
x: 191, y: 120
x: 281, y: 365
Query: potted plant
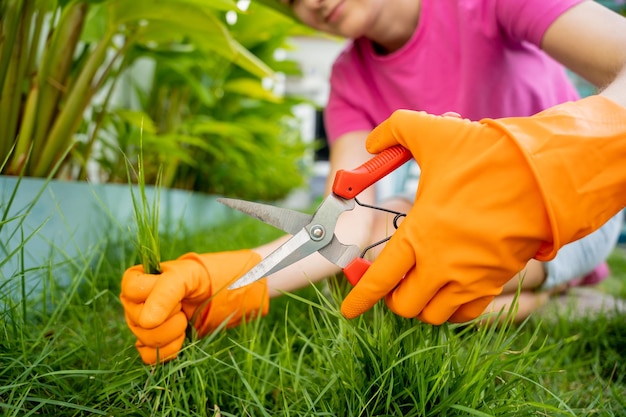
x: 61, y: 68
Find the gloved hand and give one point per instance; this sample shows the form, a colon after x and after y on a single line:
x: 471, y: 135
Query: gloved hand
x: 492, y: 195
x: 192, y: 288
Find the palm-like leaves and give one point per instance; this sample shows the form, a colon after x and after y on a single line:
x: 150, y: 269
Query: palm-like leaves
x: 56, y: 56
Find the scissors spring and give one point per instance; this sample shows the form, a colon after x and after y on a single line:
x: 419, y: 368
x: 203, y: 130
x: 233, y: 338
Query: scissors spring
x: 396, y: 219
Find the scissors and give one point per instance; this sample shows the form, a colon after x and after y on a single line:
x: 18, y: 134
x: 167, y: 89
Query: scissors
x: 315, y: 233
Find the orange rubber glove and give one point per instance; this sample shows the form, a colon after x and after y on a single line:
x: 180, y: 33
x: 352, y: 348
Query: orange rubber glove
x: 191, y: 288
x: 492, y: 195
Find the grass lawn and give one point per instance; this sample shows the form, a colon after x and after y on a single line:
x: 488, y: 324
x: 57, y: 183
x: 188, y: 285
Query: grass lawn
x: 73, y: 355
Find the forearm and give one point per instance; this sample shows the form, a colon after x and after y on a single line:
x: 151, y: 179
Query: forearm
x: 596, y: 53
x: 616, y: 90
x: 576, y: 152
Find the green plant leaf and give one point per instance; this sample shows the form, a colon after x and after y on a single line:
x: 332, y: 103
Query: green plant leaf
x: 194, y: 20
x: 278, y: 6
x: 138, y: 119
x: 251, y: 88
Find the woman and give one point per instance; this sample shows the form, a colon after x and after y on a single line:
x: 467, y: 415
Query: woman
x: 476, y: 58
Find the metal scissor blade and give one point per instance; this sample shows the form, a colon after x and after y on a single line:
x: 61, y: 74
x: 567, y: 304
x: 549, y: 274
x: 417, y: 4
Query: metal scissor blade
x: 287, y: 220
x: 340, y: 254
x: 317, y: 233
x: 299, y: 246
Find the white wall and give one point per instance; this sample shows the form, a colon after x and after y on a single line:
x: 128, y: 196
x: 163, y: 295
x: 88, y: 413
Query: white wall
x: 315, y: 56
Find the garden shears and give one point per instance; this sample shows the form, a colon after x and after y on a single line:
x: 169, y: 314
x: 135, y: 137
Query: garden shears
x: 315, y: 233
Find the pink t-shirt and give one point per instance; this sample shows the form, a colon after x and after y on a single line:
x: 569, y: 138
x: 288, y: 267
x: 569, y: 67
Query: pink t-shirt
x: 479, y: 58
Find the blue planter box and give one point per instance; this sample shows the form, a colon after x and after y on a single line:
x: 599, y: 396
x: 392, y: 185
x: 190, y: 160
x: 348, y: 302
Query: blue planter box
x: 51, y: 228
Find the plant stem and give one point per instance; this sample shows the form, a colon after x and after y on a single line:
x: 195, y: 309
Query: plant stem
x: 72, y: 113
x: 13, y: 97
x: 100, y: 117
x: 29, y: 115
x: 23, y: 143
x: 10, y: 23
x: 55, y: 67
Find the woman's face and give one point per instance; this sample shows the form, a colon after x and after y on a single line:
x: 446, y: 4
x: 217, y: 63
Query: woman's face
x: 345, y: 18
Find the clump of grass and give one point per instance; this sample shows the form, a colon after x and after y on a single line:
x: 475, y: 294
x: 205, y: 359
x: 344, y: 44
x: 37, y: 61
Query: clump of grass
x: 146, y: 213
x: 305, y: 359
x: 302, y: 359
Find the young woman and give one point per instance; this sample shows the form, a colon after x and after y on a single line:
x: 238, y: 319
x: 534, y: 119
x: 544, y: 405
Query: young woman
x: 476, y: 58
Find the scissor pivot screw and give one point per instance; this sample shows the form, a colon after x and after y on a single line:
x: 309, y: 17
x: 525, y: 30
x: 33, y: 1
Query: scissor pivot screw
x: 317, y: 232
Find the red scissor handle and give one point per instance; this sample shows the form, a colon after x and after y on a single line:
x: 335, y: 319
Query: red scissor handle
x: 349, y: 184
x: 355, y: 270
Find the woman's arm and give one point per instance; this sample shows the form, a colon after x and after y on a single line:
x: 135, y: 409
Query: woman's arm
x: 590, y: 40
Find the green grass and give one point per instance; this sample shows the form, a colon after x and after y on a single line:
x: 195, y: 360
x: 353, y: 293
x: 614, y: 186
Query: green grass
x: 146, y: 214
x: 74, y: 356
x: 616, y: 283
